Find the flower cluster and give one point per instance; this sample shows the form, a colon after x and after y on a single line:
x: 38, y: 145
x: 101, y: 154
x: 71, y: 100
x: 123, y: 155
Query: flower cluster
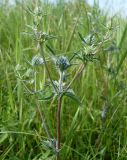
x: 62, y: 63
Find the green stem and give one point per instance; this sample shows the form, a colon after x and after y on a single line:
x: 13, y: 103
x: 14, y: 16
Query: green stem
x: 43, y: 122
x: 45, y: 63
x: 59, y: 112
x: 81, y: 68
x: 58, y: 126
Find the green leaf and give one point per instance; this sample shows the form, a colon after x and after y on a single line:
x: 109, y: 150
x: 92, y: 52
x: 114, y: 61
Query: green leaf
x: 72, y: 57
x: 70, y: 93
x: 46, y: 98
x: 29, y: 10
x: 81, y: 37
x: 123, y: 38
x: 121, y: 62
x: 51, y: 50
x: 3, y: 137
x: 51, y: 145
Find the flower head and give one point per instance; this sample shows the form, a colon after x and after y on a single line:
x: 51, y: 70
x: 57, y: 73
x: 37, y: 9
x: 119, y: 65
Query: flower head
x: 62, y: 63
x: 37, y: 60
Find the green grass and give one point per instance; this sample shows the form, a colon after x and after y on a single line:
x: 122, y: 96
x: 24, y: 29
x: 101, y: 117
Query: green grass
x: 84, y: 135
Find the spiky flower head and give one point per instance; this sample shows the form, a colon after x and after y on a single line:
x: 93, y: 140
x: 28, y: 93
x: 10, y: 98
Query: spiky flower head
x: 37, y: 60
x: 39, y: 35
x: 38, y: 11
x: 62, y: 63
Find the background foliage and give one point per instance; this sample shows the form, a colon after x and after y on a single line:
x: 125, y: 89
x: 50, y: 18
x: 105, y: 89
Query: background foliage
x: 97, y: 129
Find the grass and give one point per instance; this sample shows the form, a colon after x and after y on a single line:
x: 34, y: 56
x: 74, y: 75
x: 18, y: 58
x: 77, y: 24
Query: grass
x: 97, y: 129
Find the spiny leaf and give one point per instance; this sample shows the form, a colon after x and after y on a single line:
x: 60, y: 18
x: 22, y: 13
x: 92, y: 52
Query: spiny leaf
x: 81, y: 37
x: 28, y: 9
x: 70, y: 93
x: 51, y: 50
x: 72, y: 57
x: 47, y: 97
x: 51, y: 145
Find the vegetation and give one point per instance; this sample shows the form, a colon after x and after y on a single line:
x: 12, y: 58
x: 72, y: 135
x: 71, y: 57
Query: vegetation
x: 69, y: 56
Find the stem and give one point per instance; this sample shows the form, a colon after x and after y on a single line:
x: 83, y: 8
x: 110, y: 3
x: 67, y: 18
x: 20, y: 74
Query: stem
x: 73, y: 31
x: 43, y: 122
x: 81, y: 68
x: 41, y: 47
x: 58, y: 126
x: 58, y: 113
x: 61, y: 82
x: 35, y: 84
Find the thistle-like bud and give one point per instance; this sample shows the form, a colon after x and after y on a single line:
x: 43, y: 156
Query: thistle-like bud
x: 37, y: 60
x: 62, y: 63
x: 90, y: 39
x: 41, y: 36
x: 51, y: 144
x: 38, y: 11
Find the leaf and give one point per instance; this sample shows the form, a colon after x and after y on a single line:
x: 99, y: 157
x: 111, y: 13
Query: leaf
x: 121, y: 62
x: 3, y: 137
x: 70, y: 93
x: 112, y: 48
x: 29, y: 26
x: 51, y: 50
x: 81, y: 37
x: 72, y: 57
x: 51, y: 145
x: 51, y: 37
x: 46, y: 98
x: 123, y: 38
x: 27, y: 33
x: 29, y: 10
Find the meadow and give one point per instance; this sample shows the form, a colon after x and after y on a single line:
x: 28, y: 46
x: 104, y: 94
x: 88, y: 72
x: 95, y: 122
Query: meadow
x: 94, y: 116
